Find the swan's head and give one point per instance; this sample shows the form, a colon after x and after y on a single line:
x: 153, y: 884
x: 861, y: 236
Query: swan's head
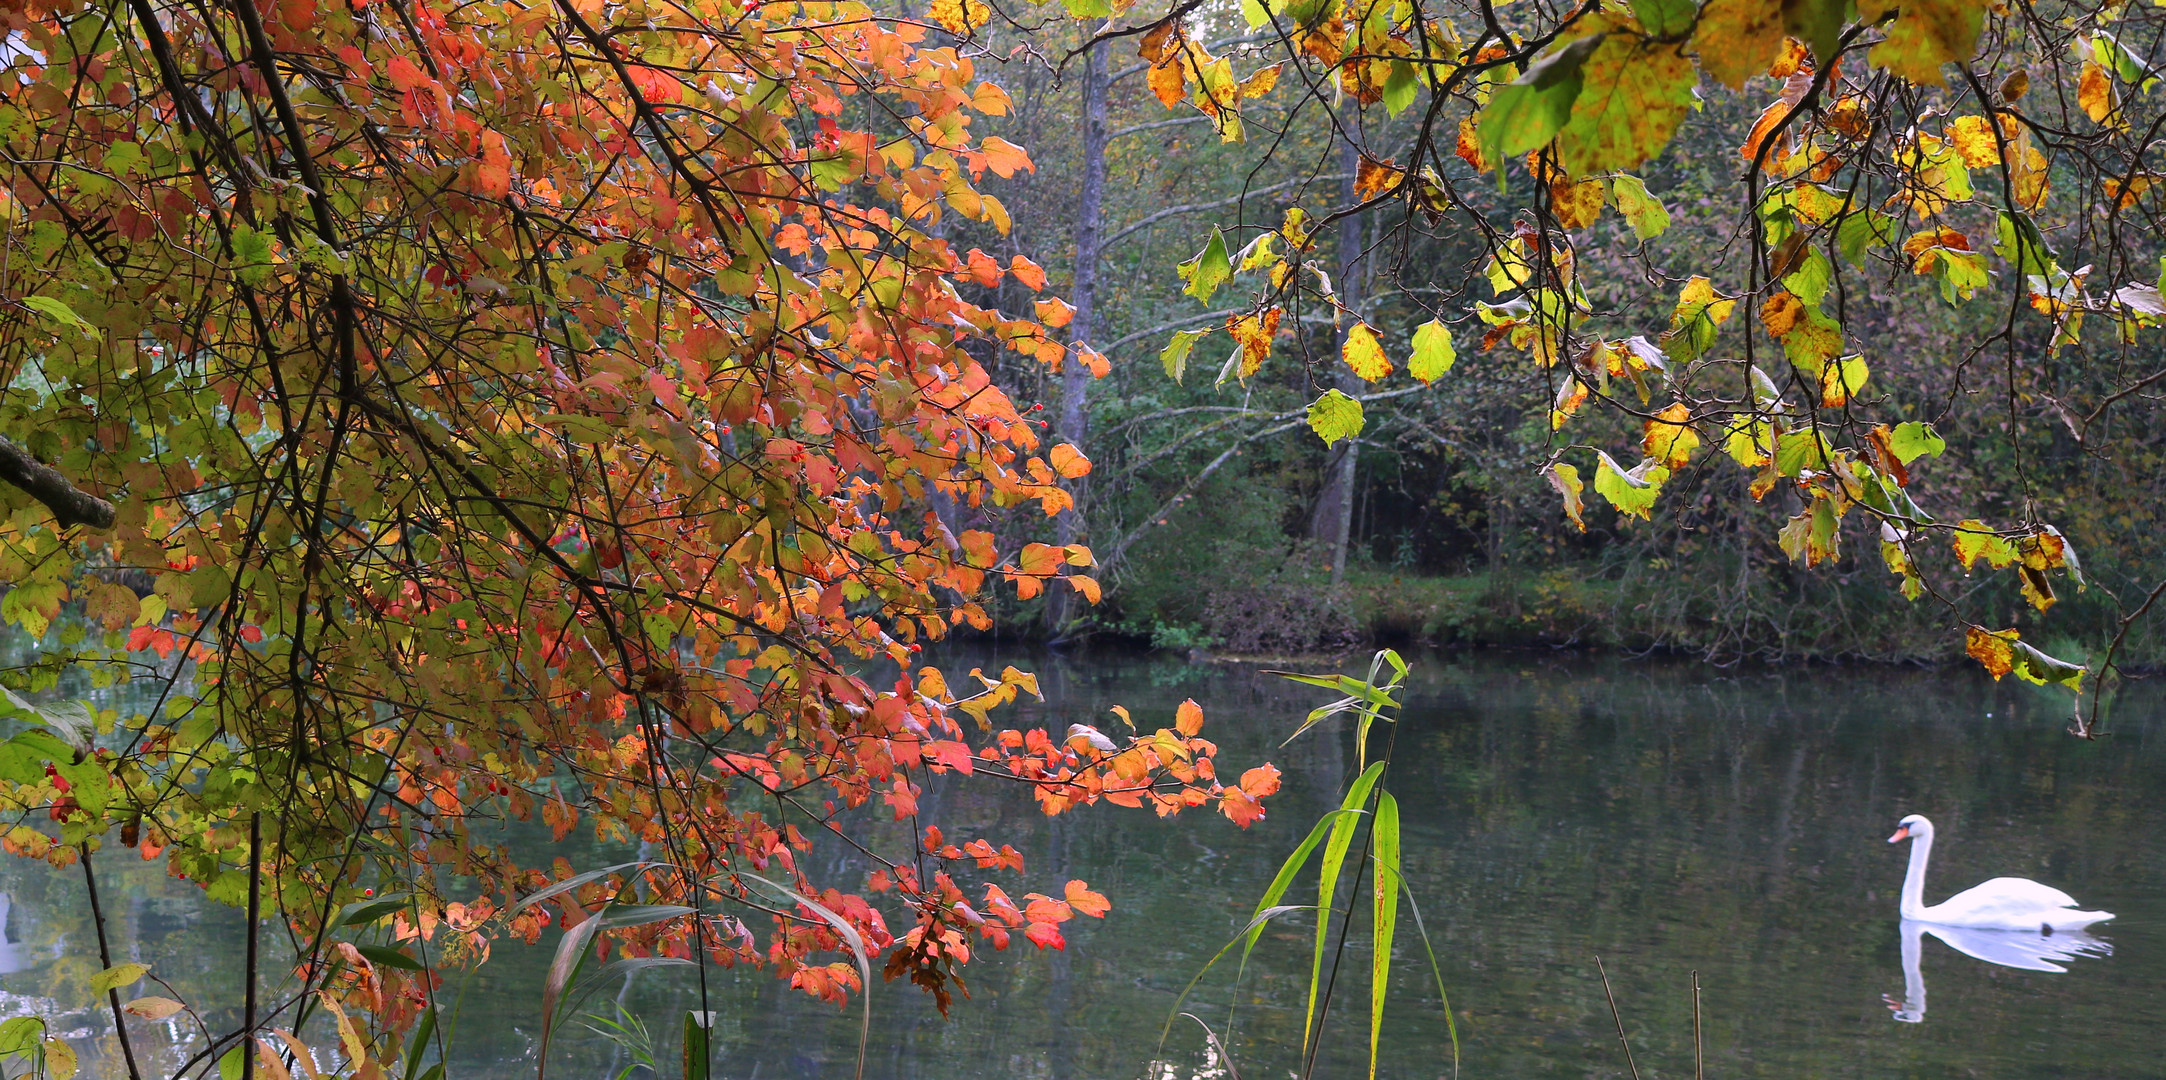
x: 1913, y: 826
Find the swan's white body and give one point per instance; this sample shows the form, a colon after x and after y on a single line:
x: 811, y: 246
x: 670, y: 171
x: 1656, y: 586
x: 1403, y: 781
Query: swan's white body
x: 2004, y: 903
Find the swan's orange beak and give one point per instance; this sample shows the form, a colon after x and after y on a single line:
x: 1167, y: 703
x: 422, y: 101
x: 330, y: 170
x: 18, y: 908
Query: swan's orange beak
x: 1901, y: 833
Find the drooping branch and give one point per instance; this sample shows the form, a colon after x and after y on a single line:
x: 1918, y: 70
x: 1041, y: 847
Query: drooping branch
x: 70, y: 505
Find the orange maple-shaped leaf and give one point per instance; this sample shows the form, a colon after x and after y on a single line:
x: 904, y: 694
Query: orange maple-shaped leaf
x: 1082, y: 899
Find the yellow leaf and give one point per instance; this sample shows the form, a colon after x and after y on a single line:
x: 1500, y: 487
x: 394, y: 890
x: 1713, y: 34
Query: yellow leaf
x: 1669, y: 437
x: 2094, y: 91
x: 1993, y: 648
x: 1738, y: 39
x: 1433, y: 351
x: 59, y: 1060
x: 1973, y: 138
x: 960, y: 16
x: 1254, y: 333
x: 1375, y: 177
x: 153, y: 1008
x: 1576, y: 204
x: 1365, y: 354
x: 1565, y: 478
x: 1167, y: 81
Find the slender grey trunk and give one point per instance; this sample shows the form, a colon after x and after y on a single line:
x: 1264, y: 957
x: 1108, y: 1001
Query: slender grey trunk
x: 1073, y: 424
x: 1334, y: 515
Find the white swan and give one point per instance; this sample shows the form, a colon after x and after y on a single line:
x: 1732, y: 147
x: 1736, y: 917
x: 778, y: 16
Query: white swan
x: 2004, y: 903
x: 2028, y: 950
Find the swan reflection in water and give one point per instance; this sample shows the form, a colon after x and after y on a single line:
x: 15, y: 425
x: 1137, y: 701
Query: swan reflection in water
x: 2027, y: 950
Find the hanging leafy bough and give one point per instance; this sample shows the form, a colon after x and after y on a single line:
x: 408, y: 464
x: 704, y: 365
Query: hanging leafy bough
x: 1903, y: 139
x: 526, y: 409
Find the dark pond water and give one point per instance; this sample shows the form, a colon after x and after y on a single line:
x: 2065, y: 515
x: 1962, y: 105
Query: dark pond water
x: 1669, y: 818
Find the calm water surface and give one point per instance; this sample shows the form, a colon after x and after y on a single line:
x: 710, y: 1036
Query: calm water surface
x: 1669, y: 818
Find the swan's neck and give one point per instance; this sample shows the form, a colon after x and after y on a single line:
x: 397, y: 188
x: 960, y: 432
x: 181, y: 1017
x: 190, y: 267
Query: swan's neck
x: 1921, y: 848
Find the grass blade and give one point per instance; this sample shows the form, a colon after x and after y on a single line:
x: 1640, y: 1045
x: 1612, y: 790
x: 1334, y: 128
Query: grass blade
x: 1435, y: 969
x: 695, y: 1048
x: 570, y: 883
x: 1285, y: 878
x: 849, y: 937
x: 572, y: 954
x: 1386, y: 831
x: 1327, y: 881
x: 1255, y: 926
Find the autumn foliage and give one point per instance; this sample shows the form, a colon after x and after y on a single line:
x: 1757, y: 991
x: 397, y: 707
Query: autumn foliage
x: 539, y: 411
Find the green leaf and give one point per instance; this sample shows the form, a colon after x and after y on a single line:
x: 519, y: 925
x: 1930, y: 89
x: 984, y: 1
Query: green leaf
x: 1797, y: 451
x: 20, y: 1035
x: 1632, y: 493
x: 1335, y: 416
x: 1385, y: 919
x: 1633, y: 96
x: 1529, y: 111
x: 1327, y: 880
x: 1645, y: 213
x: 367, y: 912
x: 2016, y: 238
x: 1810, y: 281
x: 1089, y: 9
x: 1665, y: 18
x: 2039, y: 669
x: 1911, y: 440
x: 230, y: 1063
x: 1210, y: 268
x: 383, y: 956
x: 1433, y: 351
x: 1862, y: 229
x: 1401, y: 86
x: 61, y: 313
x: 1817, y: 23
x: 252, y: 258
x: 1175, y: 355
x: 117, y: 976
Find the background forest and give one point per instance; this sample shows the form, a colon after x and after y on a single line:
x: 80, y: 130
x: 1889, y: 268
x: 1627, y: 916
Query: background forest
x: 1214, y: 511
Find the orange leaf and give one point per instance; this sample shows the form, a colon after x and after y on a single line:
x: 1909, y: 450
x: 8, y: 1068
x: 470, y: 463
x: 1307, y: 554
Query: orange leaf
x: 1081, y: 898
x: 1188, y: 719
x: 1068, y: 461
x: 1006, y: 159
x: 1261, y: 781
x: 1088, y: 586
x: 1025, y: 271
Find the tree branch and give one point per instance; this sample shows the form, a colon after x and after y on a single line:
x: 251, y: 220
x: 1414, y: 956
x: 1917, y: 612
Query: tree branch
x: 70, y: 505
x: 1193, y: 208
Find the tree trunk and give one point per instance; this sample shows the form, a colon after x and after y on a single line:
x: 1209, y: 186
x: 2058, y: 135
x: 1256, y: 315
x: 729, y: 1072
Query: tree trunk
x: 1062, y: 608
x: 1334, y: 515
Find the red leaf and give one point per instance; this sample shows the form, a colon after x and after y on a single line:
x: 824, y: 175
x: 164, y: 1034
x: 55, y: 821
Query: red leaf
x: 1240, y: 808
x: 1046, y: 936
